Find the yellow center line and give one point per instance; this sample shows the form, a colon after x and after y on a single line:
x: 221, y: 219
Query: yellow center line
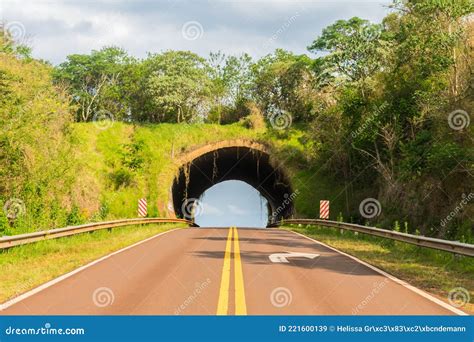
x: 240, y: 306
x: 223, y: 303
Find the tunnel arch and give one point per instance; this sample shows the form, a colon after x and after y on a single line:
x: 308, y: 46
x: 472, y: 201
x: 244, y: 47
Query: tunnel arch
x: 243, y: 160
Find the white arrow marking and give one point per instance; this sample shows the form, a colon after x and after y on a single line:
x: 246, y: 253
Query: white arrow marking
x: 283, y: 257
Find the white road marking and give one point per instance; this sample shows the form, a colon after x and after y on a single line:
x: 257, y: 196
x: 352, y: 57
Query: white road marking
x: 283, y: 257
x: 391, y: 277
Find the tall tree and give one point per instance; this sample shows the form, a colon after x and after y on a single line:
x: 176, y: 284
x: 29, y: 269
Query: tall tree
x: 282, y: 82
x: 178, y: 85
x: 95, y: 82
x: 232, y: 80
x: 355, y: 49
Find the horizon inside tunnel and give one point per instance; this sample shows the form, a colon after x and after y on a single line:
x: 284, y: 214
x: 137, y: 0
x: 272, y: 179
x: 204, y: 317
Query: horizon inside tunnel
x: 245, y: 164
x: 232, y: 203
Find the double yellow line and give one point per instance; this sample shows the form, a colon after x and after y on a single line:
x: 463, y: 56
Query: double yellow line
x: 223, y: 303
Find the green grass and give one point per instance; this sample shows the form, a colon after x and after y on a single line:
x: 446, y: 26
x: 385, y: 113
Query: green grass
x: 101, y: 158
x: 105, y: 187
x: 25, y: 267
x: 314, y: 185
x: 434, y: 271
x: 101, y: 153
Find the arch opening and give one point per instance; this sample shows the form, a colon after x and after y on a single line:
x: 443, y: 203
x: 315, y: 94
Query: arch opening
x: 246, y: 164
x: 232, y: 203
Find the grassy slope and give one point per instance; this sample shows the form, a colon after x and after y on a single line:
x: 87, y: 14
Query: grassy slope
x: 101, y: 152
x: 25, y: 267
x: 436, y: 272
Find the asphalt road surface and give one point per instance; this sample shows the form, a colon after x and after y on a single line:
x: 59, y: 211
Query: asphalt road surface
x: 227, y: 271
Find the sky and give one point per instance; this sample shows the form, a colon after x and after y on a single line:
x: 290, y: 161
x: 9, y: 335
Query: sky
x: 231, y: 203
x: 55, y: 29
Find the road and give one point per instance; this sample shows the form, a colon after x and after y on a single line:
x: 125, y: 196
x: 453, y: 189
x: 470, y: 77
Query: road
x: 227, y: 271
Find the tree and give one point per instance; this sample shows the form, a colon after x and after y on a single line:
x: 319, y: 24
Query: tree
x: 355, y: 49
x: 95, y: 82
x: 238, y: 78
x: 283, y: 82
x: 35, y: 146
x: 178, y: 85
x: 8, y: 45
x: 231, y: 78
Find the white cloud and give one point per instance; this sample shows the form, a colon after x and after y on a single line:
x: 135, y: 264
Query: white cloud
x: 58, y: 28
x: 208, y: 209
x: 236, y: 210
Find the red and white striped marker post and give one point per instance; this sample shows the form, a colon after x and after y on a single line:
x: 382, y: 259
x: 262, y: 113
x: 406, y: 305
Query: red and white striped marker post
x: 324, y: 209
x: 142, y: 207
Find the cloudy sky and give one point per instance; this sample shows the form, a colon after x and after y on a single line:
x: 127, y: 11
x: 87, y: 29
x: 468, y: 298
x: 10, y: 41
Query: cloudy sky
x: 57, y: 28
x: 232, y: 203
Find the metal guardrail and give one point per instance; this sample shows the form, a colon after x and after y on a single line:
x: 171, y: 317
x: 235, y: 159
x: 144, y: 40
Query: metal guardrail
x: 422, y: 241
x: 21, y: 239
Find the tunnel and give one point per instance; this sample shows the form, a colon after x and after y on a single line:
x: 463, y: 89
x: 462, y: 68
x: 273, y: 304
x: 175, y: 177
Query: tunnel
x: 244, y: 163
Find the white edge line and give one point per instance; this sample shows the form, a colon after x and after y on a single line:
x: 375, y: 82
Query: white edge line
x: 50, y: 283
x: 391, y: 277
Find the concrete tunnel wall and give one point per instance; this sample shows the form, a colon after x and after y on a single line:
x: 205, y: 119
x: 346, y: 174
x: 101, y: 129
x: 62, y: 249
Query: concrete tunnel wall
x: 242, y: 160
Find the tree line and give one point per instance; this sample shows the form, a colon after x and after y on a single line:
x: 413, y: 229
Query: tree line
x: 180, y: 86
